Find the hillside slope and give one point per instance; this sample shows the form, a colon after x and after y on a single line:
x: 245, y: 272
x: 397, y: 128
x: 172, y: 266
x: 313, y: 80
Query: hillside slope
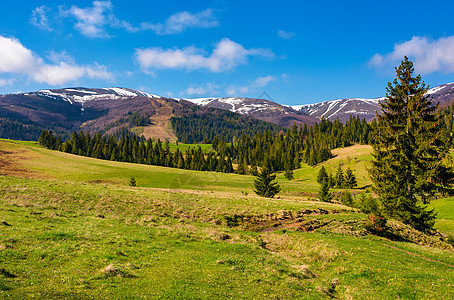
x: 73, y: 228
x: 24, y: 116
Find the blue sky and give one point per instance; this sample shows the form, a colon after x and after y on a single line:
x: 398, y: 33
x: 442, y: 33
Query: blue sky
x: 298, y: 52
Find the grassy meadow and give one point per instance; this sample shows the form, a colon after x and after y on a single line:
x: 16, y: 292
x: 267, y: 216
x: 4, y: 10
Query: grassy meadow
x: 71, y: 227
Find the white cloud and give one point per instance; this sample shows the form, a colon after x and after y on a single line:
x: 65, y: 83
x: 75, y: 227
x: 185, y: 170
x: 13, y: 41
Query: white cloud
x: 207, y: 89
x: 4, y: 82
x: 427, y: 55
x: 183, y: 20
x: 63, y: 72
x: 63, y: 56
x: 94, y: 21
x: 40, y: 18
x: 225, y: 56
x: 285, y: 35
x: 16, y: 59
x: 259, y: 82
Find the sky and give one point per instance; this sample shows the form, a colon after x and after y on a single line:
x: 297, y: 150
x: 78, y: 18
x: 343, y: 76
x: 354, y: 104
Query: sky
x: 292, y: 52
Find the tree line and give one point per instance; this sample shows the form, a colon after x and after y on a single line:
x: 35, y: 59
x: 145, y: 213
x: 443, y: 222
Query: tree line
x: 277, y: 150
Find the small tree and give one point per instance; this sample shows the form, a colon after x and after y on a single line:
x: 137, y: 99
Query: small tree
x: 288, y: 174
x: 349, y: 179
x: 132, y: 181
x: 346, y: 198
x: 323, y: 193
x: 339, y: 178
x: 265, y: 185
x: 322, y: 175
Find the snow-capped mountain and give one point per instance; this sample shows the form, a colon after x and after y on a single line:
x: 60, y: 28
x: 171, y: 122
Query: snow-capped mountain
x: 82, y: 95
x: 366, y: 108
x: 261, y: 109
x: 342, y: 108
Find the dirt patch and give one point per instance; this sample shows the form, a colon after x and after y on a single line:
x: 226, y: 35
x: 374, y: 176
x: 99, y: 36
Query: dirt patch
x: 10, y: 164
x: 302, y: 220
x: 160, y: 124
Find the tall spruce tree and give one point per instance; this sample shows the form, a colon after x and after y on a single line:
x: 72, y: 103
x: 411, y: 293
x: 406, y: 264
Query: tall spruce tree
x: 408, y: 152
x: 265, y: 185
x: 350, y: 179
x: 339, y: 177
x: 322, y: 175
x: 323, y: 193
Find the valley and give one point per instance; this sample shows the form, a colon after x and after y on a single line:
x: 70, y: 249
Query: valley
x: 72, y: 227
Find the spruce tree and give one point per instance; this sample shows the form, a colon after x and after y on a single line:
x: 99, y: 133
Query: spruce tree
x: 407, y: 151
x: 339, y: 178
x: 288, y: 174
x: 322, y: 175
x: 132, y: 181
x: 349, y: 179
x: 323, y: 193
x: 265, y: 185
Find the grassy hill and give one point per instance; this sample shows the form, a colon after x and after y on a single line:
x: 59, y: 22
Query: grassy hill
x: 71, y: 227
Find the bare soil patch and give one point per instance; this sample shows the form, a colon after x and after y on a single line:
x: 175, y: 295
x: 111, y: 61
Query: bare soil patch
x: 160, y: 124
x: 10, y: 163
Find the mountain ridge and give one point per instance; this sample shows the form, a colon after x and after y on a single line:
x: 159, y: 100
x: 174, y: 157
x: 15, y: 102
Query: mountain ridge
x: 112, y: 108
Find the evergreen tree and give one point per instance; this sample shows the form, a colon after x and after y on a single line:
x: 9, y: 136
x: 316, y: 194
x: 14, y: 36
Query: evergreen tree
x: 265, y: 185
x: 408, y: 152
x: 323, y: 193
x: 132, y: 181
x: 339, y: 178
x: 322, y: 175
x: 349, y: 179
x: 346, y: 198
x: 288, y: 174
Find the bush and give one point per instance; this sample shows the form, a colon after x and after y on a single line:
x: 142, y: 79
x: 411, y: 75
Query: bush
x: 375, y: 224
x: 346, y: 198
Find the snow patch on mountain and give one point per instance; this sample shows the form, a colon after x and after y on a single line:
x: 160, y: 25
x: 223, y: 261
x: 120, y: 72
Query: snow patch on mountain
x: 81, y: 95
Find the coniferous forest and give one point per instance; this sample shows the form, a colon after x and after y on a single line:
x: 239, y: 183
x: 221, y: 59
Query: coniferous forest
x: 278, y: 150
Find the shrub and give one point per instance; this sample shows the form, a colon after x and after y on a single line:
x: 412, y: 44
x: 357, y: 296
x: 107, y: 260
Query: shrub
x: 375, y: 224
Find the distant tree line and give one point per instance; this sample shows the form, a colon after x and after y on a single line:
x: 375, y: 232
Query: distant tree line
x: 277, y: 150
x: 201, y: 124
x: 133, y: 149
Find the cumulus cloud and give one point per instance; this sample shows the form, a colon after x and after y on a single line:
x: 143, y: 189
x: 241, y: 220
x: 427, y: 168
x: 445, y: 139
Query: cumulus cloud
x: 183, y: 20
x: 17, y: 59
x: 285, y: 35
x: 225, y: 56
x: 40, y: 18
x: 428, y: 55
x: 259, y: 82
x: 94, y: 21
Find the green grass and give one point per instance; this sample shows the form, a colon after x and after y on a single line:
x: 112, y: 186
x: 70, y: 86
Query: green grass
x: 445, y: 214
x: 77, y: 230
x: 184, y: 147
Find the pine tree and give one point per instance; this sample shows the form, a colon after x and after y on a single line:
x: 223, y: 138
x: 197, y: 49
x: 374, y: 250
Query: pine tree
x: 322, y: 175
x: 265, y: 185
x: 339, y: 178
x: 323, y: 193
x: 132, y: 181
x: 349, y: 179
x: 408, y: 152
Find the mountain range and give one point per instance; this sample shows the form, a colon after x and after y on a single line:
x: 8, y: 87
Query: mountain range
x: 24, y: 115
